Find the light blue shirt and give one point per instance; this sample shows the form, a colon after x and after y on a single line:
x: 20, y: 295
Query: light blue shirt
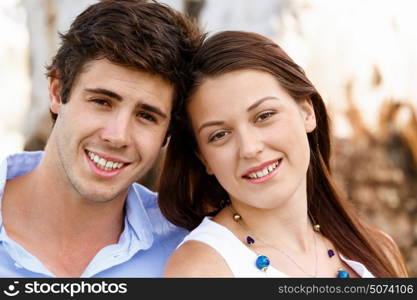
x: 142, y: 250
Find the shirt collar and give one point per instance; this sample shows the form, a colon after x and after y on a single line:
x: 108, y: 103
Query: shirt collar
x: 16, y: 165
x: 137, y: 217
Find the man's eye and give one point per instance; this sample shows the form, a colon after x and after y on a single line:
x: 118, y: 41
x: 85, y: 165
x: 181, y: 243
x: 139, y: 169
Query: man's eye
x: 264, y: 116
x: 218, y: 136
x: 147, y: 116
x: 101, y: 102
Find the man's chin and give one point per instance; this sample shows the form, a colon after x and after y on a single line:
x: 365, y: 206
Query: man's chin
x: 99, y: 192
x: 99, y: 198
x: 102, y: 196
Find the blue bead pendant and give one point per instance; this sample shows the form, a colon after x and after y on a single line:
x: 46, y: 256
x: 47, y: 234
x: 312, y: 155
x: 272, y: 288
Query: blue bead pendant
x: 262, y: 262
x: 342, y: 274
x: 250, y: 240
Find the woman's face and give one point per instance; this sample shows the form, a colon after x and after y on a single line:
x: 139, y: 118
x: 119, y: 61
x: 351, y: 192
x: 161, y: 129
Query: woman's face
x: 253, y: 137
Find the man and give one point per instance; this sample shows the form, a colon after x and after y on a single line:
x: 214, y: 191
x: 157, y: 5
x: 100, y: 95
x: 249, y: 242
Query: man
x: 75, y: 210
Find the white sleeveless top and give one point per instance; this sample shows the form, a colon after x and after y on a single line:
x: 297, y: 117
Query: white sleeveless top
x: 239, y: 258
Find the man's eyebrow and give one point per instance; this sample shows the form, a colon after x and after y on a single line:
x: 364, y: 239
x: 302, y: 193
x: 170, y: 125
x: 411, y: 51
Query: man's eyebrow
x: 105, y: 92
x: 153, y: 109
x: 117, y: 97
x: 258, y: 102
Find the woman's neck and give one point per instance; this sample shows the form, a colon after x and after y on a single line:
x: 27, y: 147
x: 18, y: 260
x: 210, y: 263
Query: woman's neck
x: 287, y: 226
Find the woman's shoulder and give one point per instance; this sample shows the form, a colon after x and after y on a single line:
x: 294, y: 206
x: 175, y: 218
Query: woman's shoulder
x: 196, y: 259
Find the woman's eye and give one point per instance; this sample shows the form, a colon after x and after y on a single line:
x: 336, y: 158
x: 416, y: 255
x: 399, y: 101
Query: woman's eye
x: 264, y: 116
x: 218, y: 136
x: 147, y: 116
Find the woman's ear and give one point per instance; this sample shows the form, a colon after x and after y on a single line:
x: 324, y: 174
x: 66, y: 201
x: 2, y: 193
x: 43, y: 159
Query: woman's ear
x: 204, y: 162
x: 54, y: 93
x: 308, y: 115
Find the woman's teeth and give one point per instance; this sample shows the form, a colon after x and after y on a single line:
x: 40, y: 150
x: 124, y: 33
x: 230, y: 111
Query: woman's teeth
x: 104, y: 164
x: 265, y: 171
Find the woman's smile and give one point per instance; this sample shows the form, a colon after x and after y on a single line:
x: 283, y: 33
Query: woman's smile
x: 263, y: 172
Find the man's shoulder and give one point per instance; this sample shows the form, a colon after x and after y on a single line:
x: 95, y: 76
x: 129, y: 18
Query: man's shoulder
x: 23, y: 156
x: 19, y: 163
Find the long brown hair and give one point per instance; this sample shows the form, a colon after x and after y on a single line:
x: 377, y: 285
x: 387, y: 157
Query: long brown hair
x: 187, y: 193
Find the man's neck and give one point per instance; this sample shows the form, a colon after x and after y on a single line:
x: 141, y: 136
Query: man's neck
x: 55, y: 224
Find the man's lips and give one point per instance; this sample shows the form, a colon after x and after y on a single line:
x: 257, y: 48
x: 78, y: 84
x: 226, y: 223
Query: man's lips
x: 105, y: 162
x: 108, y: 157
x: 104, y: 168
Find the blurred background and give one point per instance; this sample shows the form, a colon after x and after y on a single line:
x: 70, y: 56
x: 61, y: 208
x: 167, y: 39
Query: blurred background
x: 360, y: 54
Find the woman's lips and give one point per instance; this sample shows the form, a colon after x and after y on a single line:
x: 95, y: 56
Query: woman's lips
x: 263, y: 172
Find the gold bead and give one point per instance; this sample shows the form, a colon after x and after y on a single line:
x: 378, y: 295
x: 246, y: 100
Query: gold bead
x: 316, y: 227
x: 236, y: 217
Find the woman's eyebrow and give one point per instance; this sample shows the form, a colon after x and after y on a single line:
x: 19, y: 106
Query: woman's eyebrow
x: 210, y: 123
x: 253, y: 106
x: 258, y: 102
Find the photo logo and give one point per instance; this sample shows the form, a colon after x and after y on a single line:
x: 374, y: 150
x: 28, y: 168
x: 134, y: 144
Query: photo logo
x: 12, y: 291
x: 65, y: 288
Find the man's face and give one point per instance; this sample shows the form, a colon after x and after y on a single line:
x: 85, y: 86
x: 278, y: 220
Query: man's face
x: 109, y: 133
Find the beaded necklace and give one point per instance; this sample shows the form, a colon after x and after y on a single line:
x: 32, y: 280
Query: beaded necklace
x: 263, y: 262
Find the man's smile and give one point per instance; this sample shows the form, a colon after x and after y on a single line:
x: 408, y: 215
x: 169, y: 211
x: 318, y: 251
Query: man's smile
x: 103, y: 165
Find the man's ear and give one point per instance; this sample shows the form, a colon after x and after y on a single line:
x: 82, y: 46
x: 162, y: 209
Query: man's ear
x: 166, y: 138
x: 55, y: 101
x: 308, y: 115
x: 204, y: 162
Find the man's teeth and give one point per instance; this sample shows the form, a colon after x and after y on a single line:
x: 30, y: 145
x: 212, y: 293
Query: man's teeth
x: 265, y: 171
x: 103, y: 163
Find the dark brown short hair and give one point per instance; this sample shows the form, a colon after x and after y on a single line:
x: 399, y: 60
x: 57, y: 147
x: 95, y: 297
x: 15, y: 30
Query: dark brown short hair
x: 187, y: 193
x: 149, y: 37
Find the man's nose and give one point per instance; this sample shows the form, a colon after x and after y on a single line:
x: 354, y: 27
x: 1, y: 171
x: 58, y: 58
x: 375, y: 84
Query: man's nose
x: 117, y: 130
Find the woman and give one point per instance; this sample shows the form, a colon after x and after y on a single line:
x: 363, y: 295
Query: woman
x: 247, y: 169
